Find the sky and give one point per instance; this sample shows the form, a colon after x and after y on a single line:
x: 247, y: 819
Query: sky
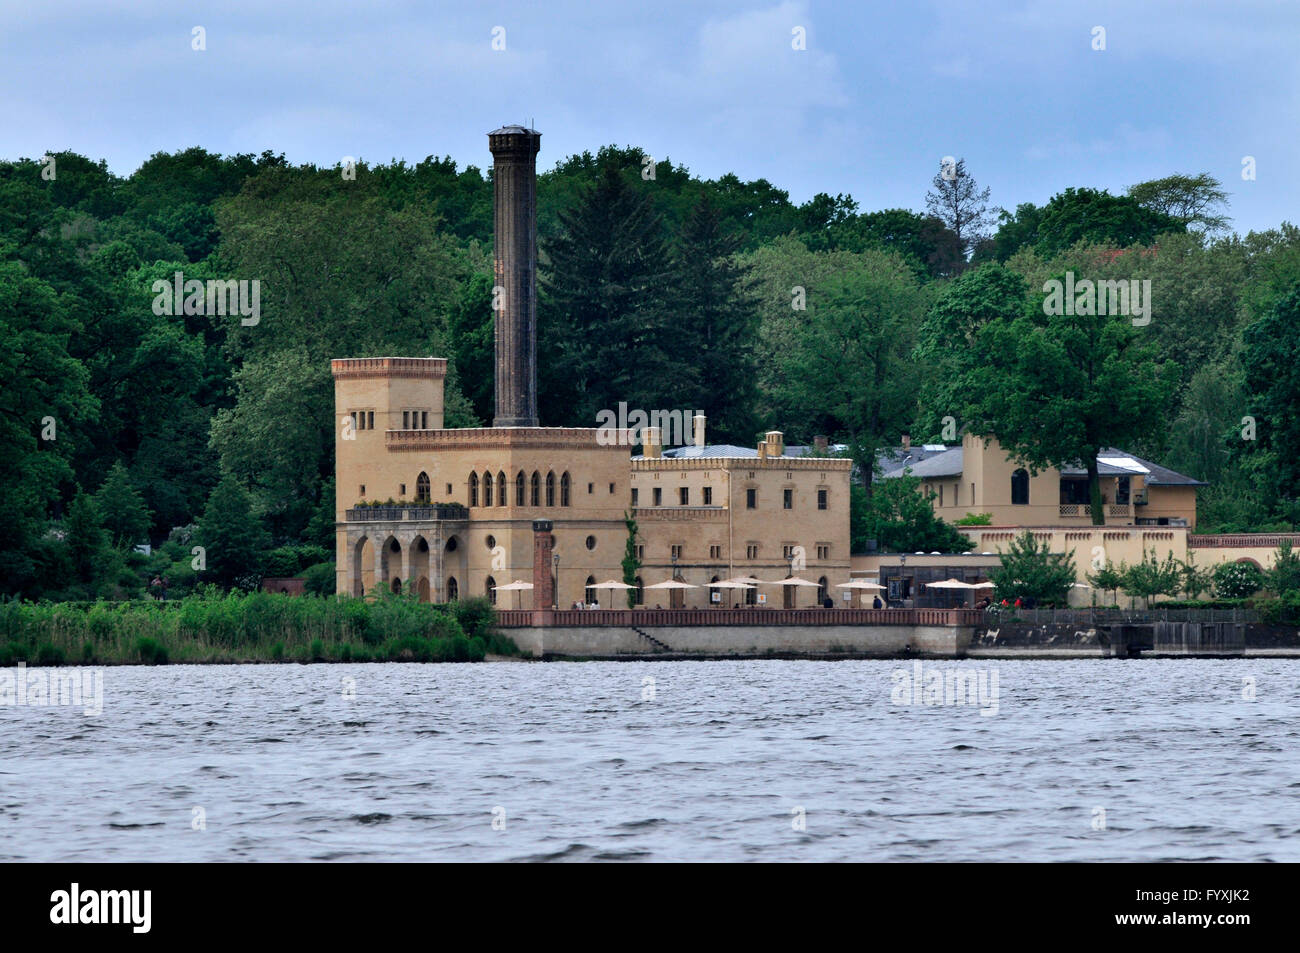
x: 878, y: 96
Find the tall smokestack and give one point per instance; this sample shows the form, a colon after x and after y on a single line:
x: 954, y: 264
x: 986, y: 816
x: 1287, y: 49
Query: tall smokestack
x: 514, y: 180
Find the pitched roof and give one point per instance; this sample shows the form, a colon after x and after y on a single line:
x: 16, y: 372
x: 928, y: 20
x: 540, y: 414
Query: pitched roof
x: 927, y: 461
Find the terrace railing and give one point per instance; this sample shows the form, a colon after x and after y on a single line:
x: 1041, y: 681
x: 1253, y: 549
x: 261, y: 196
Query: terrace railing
x: 388, y: 514
x: 514, y: 618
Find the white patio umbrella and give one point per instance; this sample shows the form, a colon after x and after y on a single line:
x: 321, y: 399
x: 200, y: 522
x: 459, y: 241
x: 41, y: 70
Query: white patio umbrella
x: 672, y: 584
x: 517, y: 586
x: 860, y: 585
x: 792, y: 582
x: 747, y: 580
x: 950, y: 584
x: 612, y: 584
x: 730, y: 584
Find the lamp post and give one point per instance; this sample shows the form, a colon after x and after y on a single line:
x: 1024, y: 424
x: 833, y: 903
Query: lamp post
x: 556, y: 557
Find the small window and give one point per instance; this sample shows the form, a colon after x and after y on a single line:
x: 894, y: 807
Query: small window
x: 406, y: 420
x: 424, y: 420
x: 473, y: 489
x: 787, y: 551
x: 487, y: 489
x: 941, y: 494
x: 423, y: 492
x: 677, y: 552
x: 634, y: 496
x: 611, y: 489
x: 591, y: 542
x: 535, y: 491
x: 363, y: 491
x: 685, y: 495
x: 715, y: 552
x: 659, y: 496
x: 787, y: 499
x: 591, y: 488
x: 751, y: 551
x: 401, y: 490
x: 823, y: 552
x: 640, y: 553
x: 503, y: 491
x: 491, y: 541
x: 708, y: 496
x: 370, y: 425
x: 822, y: 499
x: 564, y: 490
x: 491, y: 587
x: 751, y: 499
x: 449, y: 489
x: 550, y: 489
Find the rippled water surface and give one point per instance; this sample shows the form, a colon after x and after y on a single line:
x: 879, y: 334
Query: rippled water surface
x: 714, y: 767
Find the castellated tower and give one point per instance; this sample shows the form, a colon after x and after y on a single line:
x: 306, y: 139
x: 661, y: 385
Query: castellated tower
x: 514, y: 179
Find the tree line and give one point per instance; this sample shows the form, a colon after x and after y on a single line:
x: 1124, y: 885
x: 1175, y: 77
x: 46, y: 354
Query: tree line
x: 211, y: 438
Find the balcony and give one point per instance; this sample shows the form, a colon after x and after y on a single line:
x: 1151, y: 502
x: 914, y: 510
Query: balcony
x: 409, y: 512
x: 1118, y: 512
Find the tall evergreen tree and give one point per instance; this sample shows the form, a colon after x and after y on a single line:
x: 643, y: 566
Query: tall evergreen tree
x: 232, y: 536
x: 606, y: 330
x: 716, y: 320
x: 122, y: 508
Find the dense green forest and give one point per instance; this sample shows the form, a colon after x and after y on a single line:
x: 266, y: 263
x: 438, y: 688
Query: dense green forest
x: 124, y: 426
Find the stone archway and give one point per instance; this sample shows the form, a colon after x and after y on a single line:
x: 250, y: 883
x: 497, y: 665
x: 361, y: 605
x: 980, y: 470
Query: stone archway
x: 362, y: 575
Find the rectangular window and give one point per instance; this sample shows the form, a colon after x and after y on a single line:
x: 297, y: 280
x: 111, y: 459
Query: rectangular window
x: 406, y: 420
x: 715, y: 552
x: 956, y: 494
x: 787, y: 551
x: 823, y: 552
x: 751, y: 551
x: 591, y: 488
x: 822, y: 499
x: 640, y: 553
x: 787, y: 499
x: 611, y: 489
x: 708, y: 496
x: 941, y: 494
x: 659, y: 496
x: 634, y: 495
x: 751, y: 499
x: 370, y: 423
x: 685, y: 494
x: 676, y: 552
x: 362, y: 494
x: 401, y: 491
x: 449, y: 489
x: 424, y: 420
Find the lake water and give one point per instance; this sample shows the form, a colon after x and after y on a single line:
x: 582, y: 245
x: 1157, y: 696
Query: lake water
x: 724, y: 762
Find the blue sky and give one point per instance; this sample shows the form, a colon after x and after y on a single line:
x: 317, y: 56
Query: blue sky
x: 881, y: 93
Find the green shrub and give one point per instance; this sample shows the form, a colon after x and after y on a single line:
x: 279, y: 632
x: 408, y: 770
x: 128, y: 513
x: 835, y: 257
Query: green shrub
x: 1283, y: 610
x: 49, y: 655
x: 317, y: 652
x: 151, y: 651
x: 1237, y: 580
x: 476, y: 616
x: 975, y: 519
x: 277, y: 652
x: 319, y: 579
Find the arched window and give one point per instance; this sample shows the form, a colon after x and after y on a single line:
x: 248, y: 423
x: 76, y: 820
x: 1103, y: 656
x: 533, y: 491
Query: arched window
x: 821, y: 590
x: 453, y: 591
x: 1020, y: 487
x: 550, y: 489
x: 487, y: 489
x: 640, y: 592
x: 536, y: 498
x: 564, y: 489
x: 473, y: 489
x: 502, y: 489
x: 519, y: 489
x: 591, y: 590
x: 491, y: 585
x: 422, y: 492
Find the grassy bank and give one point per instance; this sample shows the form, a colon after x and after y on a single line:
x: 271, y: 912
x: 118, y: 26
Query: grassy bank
x: 252, y: 627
